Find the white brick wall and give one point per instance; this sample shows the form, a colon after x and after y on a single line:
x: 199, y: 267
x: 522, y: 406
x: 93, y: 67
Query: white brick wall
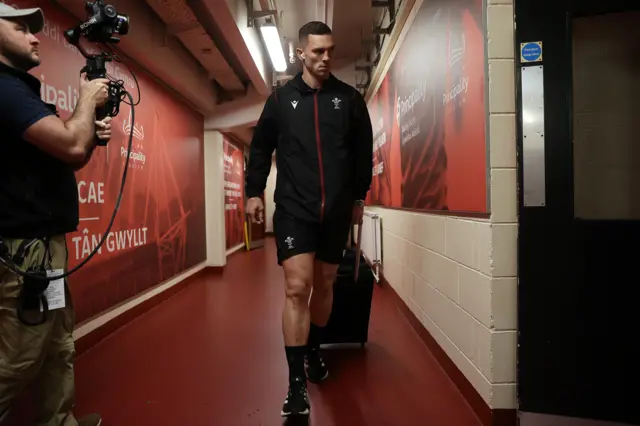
x: 458, y: 275
x: 504, y: 204
x: 444, y: 269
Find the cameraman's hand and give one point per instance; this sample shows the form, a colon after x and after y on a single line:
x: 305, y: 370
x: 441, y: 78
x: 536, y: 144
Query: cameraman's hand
x: 255, y: 209
x: 95, y: 90
x: 103, y: 128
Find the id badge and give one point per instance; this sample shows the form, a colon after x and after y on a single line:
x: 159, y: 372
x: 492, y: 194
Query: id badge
x: 55, y: 293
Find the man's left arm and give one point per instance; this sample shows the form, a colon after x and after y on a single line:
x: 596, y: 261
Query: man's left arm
x: 363, y: 134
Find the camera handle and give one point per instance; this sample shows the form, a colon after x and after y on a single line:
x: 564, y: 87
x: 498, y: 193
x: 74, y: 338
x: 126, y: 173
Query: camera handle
x: 96, y: 68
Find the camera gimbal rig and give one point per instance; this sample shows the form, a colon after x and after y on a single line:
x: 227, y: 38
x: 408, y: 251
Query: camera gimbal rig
x: 103, y: 26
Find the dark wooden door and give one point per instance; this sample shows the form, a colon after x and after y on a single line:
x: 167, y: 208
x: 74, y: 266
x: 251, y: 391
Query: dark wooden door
x: 578, y: 248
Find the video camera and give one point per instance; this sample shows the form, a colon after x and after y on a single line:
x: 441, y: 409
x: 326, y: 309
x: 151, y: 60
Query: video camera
x: 103, y: 25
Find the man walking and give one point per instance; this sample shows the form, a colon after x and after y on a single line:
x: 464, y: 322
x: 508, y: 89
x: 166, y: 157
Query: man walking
x: 321, y: 129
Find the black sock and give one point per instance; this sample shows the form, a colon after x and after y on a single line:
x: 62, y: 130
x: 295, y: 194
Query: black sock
x: 295, y: 359
x: 315, y: 338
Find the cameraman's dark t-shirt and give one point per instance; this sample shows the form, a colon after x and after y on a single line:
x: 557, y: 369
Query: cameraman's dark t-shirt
x: 38, y: 192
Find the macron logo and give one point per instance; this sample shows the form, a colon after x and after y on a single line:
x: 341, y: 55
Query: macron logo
x: 294, y: 104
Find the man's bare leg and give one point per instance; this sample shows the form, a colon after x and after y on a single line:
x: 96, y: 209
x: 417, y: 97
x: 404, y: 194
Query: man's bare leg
x: 320, y: 309
x: 298, y: 272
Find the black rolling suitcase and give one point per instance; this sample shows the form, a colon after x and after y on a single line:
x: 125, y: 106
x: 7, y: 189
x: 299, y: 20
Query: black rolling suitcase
x: 349, y: 320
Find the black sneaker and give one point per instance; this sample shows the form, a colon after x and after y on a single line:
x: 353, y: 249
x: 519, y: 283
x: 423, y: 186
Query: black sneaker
x: 297, y: 401
x: 316, y: 368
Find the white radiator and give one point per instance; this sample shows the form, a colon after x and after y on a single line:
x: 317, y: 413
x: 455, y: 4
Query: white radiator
x: 372, y: 241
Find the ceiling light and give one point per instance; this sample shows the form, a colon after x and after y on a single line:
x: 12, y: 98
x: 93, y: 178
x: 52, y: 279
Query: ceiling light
x: 274, y: 47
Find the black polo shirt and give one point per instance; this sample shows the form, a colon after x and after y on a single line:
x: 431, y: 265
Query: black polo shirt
x: 38, y: 192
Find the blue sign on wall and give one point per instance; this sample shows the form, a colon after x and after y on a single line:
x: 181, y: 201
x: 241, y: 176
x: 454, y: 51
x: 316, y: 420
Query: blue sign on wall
x: 531, y: 52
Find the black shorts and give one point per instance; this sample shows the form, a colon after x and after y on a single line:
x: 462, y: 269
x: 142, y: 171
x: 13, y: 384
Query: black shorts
x: 327, y: 239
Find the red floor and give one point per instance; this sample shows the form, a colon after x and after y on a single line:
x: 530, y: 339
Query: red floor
x: 213, y: 355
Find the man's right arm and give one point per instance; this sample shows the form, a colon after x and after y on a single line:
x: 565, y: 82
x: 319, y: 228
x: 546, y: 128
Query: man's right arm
x: 30, y: 118
x: 263, y: 143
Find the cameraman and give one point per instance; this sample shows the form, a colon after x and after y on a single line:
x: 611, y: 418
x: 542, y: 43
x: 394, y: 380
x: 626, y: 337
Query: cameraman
x: 38, y: 206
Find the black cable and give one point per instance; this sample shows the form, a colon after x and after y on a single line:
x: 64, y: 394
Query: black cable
x: 116, y: 58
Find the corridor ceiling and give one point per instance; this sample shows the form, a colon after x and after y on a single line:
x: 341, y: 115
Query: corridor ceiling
x: 209, y: 53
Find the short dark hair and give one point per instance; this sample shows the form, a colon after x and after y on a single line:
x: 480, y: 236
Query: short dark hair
x: 313, y: 28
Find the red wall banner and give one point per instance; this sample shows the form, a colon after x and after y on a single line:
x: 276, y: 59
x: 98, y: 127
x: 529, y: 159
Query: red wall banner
x: 428, y: 115
x: 233, y: 194
x: 159, y: 230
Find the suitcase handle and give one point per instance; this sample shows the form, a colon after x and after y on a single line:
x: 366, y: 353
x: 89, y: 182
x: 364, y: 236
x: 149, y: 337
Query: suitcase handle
x: 358, y: 251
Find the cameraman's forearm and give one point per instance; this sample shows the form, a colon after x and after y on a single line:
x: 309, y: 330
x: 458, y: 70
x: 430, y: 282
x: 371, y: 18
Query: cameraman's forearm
x: 80, y: 165
x: 82, y: 126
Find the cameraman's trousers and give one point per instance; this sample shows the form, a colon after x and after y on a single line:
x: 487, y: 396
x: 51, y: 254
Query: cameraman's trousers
x: 39, y: 356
